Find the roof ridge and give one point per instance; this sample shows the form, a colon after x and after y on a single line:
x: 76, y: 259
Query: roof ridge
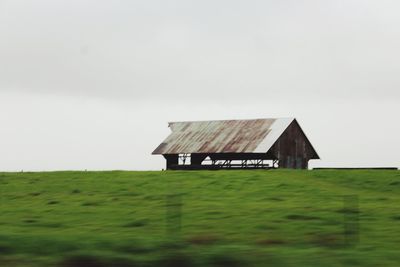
x: 276, y: 118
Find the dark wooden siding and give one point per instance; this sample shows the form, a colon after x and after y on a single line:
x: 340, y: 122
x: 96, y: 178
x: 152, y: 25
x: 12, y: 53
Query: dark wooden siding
x: 292, y: 149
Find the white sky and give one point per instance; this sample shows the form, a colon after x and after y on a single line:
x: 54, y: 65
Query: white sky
x: 92, y: 84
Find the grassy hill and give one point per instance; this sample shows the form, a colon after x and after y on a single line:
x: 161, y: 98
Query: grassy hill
x: 205, y: 218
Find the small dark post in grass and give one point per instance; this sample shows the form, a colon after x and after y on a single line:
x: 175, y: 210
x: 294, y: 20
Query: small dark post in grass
x: 173, y: 214
x: 351, y: 220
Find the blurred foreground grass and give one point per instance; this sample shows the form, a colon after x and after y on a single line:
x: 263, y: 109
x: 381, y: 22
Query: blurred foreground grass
x: 205, y: 218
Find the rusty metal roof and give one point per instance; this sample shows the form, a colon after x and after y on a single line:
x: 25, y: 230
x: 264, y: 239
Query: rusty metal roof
x: 225, y: 136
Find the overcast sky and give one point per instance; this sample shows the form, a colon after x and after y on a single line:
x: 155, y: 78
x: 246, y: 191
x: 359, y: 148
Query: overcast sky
x: 92, y: 84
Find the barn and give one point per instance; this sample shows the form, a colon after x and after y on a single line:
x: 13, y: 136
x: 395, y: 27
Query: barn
x: 236, y: 144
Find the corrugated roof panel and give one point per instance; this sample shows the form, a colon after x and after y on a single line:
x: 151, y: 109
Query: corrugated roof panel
x: 227, y: 136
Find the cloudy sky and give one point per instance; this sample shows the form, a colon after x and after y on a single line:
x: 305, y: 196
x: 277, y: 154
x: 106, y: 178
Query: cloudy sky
x: 92, y: 84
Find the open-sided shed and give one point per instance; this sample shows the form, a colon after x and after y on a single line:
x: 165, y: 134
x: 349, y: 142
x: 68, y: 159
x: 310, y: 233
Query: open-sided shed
x: 244, y: 144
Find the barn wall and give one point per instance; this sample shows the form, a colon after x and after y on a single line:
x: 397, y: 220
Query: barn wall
x: 292, y: 149
x: 197, y: 159
x: 172, y: 159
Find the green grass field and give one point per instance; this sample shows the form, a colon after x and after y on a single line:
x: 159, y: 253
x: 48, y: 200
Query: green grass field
x: 200, y: 218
